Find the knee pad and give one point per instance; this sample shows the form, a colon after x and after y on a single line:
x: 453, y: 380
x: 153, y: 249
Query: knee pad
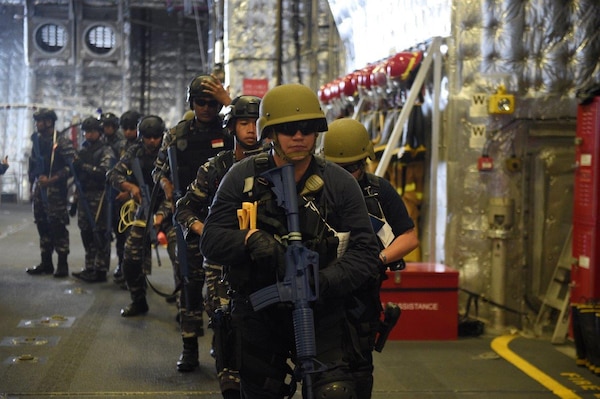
x: 336, y: 390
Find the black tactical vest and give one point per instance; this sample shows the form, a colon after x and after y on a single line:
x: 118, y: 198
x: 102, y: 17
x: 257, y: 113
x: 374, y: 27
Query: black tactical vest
x: 195, y: 145
x: 272, y: 218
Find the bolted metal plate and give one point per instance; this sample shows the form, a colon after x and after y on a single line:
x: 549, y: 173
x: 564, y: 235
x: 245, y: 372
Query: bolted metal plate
x: 29, y: 341
x: 55, y: 321
x: 24, y: 358
x: 76, y: 291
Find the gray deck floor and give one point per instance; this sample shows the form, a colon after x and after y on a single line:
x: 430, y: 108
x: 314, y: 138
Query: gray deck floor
x: 93, y: 352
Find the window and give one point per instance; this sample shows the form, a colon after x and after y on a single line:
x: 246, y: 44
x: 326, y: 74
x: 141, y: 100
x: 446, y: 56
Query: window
x: 100, y: 39
x: 51, y: 38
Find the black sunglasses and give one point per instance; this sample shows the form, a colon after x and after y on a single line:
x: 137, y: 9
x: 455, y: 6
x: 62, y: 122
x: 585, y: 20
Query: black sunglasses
x: 202, y: 102
x: 305, y: 127
x: 352, y: 167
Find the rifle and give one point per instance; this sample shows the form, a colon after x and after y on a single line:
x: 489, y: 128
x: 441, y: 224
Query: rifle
x: 145, y: 209
x: 177, y: 194
x: 301, y: 267
x: 38, y: 161
x: 85, y: 205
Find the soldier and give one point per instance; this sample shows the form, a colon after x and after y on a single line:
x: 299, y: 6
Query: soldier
x: 240, y: 120
x: 89, y: 171
x: 48, y: 173
x: 115, y: 139
x: 193, y: 142
x: 333, y: 222
x: 348, y: 144
x: 137, y: 257
x: 128, y: 122
x: 112, y: 135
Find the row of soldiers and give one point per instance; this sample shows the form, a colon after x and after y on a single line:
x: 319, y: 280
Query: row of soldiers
x: 127, y: 183
x: 337, y: 223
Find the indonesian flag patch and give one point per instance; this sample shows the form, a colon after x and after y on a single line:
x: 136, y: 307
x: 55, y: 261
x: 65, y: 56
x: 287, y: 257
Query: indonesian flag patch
x: 217, y: 143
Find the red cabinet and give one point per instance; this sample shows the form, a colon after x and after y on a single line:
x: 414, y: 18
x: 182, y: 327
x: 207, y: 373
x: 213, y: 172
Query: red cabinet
x: 427, y: 294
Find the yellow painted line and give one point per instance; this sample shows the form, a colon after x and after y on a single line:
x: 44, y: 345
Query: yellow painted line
x: 500, y: 346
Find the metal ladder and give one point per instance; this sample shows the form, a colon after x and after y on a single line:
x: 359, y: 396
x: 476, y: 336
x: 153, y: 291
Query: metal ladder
x: 558, y: 294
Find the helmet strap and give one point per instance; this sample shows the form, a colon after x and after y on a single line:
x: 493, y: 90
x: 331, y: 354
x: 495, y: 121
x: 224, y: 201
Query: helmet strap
x: 244, y: 145
x: 289, y: 157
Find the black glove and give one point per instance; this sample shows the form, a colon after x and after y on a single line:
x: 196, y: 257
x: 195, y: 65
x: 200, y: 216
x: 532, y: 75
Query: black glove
x: 267, y: 253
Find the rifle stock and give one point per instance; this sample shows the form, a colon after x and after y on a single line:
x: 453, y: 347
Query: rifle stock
x: 301, y: 267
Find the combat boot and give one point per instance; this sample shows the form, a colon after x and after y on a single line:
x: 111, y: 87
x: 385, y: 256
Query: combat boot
x: 188, y: 361
x: 138, y: 306
x: 118, y: 274
x: 91, y: 276
x: 62, y: 268
x: 45, y: 267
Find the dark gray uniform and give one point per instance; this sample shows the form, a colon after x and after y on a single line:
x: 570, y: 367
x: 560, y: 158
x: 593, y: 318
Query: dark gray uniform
x: 92, y: 163
x: 267, y: 336
x: 383, y: 203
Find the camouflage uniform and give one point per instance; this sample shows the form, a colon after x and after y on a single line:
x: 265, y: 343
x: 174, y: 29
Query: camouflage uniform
x: 92, y: 163
x: 117, y: 143
x: 192, y: 207
x: 137, y: 258
x: 196, y: 142
x: 51, y: 217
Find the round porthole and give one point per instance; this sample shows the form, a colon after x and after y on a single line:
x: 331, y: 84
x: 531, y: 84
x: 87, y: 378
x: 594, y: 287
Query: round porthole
x: 51, y: 38
x: 100, y: 39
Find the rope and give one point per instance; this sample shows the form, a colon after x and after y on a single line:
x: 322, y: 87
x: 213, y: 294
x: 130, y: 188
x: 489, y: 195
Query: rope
x: 127, y: 219
x: 127, y: 216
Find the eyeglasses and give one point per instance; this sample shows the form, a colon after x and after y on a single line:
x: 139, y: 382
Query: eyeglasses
x: 305, y: 127
x: 202, y: 102
x: 352, y: 167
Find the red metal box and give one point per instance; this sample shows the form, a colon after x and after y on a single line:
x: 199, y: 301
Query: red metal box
x: 586, y: 251
x: 427, y: 293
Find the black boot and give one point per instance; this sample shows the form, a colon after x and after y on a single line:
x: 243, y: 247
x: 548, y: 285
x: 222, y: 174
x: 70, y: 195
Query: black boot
x: 138, y: 306
x: 62, y: 268
x: 45, y: 267
x: 92, y: 276
x: 188, y: 361
x: 118, y: 274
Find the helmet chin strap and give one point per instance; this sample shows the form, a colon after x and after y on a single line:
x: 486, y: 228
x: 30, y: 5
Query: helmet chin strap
x: 245, y: 146
x: 290, y: 157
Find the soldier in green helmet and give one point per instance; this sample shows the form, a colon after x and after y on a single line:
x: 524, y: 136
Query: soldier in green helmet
x: 333, y: 222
